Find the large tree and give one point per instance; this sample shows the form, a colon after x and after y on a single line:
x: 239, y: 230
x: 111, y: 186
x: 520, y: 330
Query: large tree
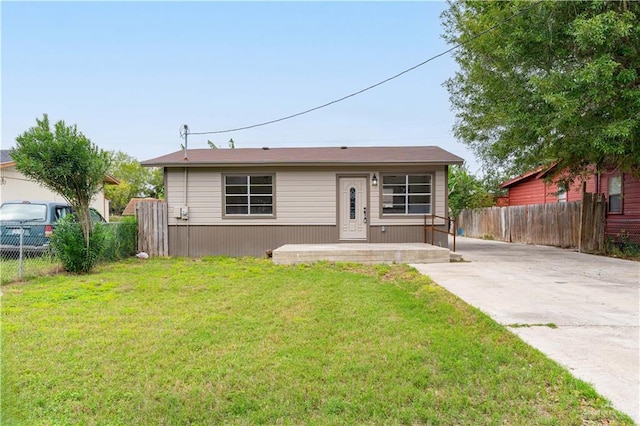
x: 65, y: 161
x: 554, y: 81
x: 135, y: 181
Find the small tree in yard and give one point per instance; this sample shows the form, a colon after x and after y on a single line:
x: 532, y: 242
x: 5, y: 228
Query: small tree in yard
x: 135, y: 181
x: 66, y: 162
x: 466, y: 191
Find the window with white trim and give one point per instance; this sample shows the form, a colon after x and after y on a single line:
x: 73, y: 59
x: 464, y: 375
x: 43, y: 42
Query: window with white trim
x: 406, y: 194
x: 248, y: 195
x: 615, y: 194
x: 562, y: 194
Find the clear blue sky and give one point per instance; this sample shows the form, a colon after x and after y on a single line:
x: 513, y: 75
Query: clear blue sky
x: 129, y: 74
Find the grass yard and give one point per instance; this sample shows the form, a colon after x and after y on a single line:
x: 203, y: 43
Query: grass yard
x: 32, y: 266
x: 242, y: 341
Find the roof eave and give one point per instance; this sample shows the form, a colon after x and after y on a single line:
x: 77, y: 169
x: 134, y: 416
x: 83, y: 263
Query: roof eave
x: 539, y: 172
x: 298, y: 163
x: 111, y: 180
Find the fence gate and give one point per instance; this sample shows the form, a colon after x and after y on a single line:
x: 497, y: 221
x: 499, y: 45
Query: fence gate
x: 153, y: 231
x: 592, y: 222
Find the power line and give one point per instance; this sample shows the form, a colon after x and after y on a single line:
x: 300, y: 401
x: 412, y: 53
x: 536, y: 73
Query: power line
x: 462, y: 43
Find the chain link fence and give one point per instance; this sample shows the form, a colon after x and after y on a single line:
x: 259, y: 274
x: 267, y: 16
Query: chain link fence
x: 26, y: 253
x: 14, y: 267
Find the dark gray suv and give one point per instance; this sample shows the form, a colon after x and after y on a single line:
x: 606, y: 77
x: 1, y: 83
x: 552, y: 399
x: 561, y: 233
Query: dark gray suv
x: 36, y: 220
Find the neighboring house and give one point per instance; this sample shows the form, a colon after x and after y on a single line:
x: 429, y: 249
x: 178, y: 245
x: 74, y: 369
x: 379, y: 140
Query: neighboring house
x: 15, y: 186
x: 621, y: 190
x: 130, y: 209
x: 251, y: 200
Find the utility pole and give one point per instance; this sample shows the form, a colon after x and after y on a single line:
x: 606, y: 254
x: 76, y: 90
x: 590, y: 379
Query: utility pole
x: 184, y: 132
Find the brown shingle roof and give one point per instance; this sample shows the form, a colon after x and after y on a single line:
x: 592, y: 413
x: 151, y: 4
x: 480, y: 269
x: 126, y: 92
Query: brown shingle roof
x: 130, y: 209
x: 319, y: 156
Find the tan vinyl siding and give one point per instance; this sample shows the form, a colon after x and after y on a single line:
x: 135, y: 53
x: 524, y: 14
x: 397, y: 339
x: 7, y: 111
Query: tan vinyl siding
x: 204, y: 196
x: 301, y: 197
x: 174, y: 191
x: 306, y: 197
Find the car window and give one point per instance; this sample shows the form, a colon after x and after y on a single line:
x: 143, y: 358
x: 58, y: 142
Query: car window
x: 23, y: 212
x: 96, y: 217
x: 61, y: 211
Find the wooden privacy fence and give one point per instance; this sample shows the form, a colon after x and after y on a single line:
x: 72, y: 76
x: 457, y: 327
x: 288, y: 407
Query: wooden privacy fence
x: 592, y: 222
x: 578, y: 224
x: 152, y: 227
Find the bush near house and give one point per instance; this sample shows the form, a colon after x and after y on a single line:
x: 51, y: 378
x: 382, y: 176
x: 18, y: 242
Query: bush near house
x: 107, y: 243
x: 121, y: 239
x: 68, y: 245
x: 114, y: 241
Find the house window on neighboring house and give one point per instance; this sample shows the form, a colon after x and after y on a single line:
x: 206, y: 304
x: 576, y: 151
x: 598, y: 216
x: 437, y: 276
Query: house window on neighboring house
x: 615, y: 194
x: 562, y: 194
x: 406, y: 194
x: 248, y: 195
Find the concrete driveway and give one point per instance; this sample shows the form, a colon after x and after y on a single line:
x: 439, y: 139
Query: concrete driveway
x: 593, y: 300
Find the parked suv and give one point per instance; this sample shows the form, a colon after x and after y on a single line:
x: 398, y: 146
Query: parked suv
x: 37, y: 220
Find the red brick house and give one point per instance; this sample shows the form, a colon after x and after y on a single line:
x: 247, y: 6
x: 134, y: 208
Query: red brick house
x: 621, y: 190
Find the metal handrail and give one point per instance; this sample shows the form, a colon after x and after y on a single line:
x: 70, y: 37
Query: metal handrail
x: 447, y: 220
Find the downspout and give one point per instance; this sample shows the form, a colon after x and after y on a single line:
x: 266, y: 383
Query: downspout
x: 185, y: 130
x: 186, y: 179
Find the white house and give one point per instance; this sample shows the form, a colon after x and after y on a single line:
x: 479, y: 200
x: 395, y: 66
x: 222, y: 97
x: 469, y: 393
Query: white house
x: 15, y: 186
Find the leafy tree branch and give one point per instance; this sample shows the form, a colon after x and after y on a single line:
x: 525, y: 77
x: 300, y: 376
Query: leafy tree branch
x: 557, y: 83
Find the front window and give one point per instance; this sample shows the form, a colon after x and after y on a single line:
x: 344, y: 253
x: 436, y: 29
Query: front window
x: 406, y: 194
x: 615, y: 194
x: 248, y: 195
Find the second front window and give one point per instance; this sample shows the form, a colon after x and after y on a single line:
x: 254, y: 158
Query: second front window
x: 248, y: 195
x: 406, y: 194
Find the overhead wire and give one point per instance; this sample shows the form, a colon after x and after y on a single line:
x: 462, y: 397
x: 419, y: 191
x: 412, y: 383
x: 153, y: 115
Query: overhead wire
x: 462, y: 43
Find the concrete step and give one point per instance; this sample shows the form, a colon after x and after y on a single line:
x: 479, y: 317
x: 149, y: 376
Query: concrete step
x: 455, y: 257
x: 360, y: 253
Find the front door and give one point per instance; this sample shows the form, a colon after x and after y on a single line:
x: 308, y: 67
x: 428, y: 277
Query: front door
x: 353, y: 208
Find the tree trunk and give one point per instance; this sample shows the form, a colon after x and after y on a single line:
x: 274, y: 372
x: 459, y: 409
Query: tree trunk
x: 84, y: 217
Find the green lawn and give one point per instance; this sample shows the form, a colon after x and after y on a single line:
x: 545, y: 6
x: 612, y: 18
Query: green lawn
x: 32, y: 266
x: 242, y: 341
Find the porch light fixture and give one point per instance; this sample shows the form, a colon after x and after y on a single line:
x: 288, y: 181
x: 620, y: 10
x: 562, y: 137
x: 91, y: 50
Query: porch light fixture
x: 374, y: 180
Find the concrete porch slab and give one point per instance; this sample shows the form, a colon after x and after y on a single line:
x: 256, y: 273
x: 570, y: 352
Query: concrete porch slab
x: 289, y: 254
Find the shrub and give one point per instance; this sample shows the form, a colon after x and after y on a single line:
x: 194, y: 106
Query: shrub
x: 623, y: 245
x: 68, y: 245
x: 121, y: 239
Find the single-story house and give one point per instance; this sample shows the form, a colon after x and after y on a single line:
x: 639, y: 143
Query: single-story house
x: 621, y: 190
x: 16, y: 186
x: 251, y: 200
